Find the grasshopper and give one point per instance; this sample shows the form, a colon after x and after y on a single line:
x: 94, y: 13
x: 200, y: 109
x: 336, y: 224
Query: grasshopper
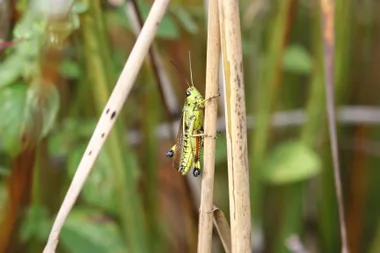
x: 187, y: 149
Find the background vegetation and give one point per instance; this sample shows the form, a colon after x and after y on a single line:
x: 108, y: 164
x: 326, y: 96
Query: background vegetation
x: 58, y: 64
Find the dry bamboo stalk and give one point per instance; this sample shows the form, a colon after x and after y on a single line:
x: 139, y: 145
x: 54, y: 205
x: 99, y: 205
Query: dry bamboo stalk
x: 236, y: 127
x: 212, y: 78
x: 108, y: 117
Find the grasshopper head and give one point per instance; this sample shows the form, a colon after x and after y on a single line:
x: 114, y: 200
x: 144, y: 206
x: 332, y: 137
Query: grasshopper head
x: 193, y: 95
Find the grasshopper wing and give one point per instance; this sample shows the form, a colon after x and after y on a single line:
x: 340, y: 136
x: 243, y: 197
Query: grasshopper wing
x: 179, y: 146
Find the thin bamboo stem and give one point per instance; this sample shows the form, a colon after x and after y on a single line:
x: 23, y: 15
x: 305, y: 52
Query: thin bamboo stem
x: 236, y: 126
x: 212, y: 78
x: 108, y: 117
x: 327, y: 7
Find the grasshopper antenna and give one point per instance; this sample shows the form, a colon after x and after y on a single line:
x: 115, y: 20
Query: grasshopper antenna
x: 191, y: 70
x: 183, y: 76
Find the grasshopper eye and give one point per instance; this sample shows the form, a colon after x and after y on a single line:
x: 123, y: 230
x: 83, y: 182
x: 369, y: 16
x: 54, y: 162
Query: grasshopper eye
x: 188, y: 93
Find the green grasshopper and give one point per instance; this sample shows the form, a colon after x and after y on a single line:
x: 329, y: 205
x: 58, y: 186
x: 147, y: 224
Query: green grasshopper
x: 190, y: 135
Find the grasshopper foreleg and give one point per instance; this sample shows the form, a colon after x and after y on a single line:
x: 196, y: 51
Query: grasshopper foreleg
x: 209, y: 98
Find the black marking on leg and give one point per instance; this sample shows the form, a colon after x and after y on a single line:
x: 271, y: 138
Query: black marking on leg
x: 170, y: 153
x: 196, y: 172
x: 182, y: 168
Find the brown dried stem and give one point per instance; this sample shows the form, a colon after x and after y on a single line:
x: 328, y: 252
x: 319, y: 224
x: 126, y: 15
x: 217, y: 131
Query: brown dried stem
x: 212, y: 77
x: 236, y: 127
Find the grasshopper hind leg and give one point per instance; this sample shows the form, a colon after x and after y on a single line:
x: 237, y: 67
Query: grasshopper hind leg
x: 171, y: 151
x: 197, y: 169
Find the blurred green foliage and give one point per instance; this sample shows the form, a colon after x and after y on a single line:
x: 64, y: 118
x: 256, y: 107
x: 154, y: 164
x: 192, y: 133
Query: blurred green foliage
x: 56, y: 78
x: 291, y: 162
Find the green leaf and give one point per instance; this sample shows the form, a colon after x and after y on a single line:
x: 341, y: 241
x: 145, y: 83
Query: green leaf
x: 10, y: 70
x: 36, y: 225
x: 187, y: 21
x: 90, y: 231
x: 22, y: 59
x: 168, y: 29
x: 70, y: 69
x: 297, y: 60
x: 291, y: 162
x: 99, y: 189
x: 28, y: 112
x: 80, y: 7
x: 12, y: 109
x: 42, y: 104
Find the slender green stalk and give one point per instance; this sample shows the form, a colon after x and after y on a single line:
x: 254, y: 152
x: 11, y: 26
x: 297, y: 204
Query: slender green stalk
x: 266, y: 95
x: 292, y: 215
x: 328, y: 31
x: 150, y: 144
x: 270, y: 80
x: 343, y: 36
x: 315, y: 108
x: 328, y: 209
x: 316, y: 112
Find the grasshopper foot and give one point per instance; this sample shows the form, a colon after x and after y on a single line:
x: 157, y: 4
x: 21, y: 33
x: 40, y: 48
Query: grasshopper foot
x: 215, y: 96
x: 196, y: 172
x: 170, y: 153
x: 209, y: 136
